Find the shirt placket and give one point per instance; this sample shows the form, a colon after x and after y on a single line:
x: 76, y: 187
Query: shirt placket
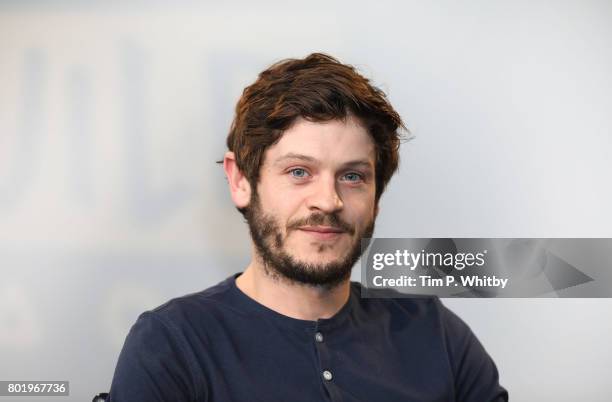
x: 327, y: 370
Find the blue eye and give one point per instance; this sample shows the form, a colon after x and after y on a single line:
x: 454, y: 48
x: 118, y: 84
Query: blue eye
x: 353, y: 176
x: 298, y: 173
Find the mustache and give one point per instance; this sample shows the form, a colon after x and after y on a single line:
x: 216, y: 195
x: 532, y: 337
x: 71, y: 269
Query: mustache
x: 319, y: 219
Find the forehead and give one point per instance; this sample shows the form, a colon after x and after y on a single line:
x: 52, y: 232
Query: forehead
x: 334, y: 141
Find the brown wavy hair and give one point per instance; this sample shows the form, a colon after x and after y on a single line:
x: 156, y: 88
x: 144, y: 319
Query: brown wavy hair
x: 318, y: 88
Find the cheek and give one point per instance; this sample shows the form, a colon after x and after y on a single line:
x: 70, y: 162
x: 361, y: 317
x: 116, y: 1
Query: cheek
x: 283, y: 208
x: 361, y: 209
x: 281, y: 201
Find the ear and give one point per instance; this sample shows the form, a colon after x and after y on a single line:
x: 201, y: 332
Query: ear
x: 240, y: 188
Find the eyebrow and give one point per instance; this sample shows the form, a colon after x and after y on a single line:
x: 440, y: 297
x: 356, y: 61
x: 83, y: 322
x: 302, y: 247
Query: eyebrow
x: 364, y: 163
x: 292, y: 155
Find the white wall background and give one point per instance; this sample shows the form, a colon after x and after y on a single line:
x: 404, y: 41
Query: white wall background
x: 111, y: 119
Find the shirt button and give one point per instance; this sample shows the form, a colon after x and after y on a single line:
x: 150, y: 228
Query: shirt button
x: 319, y: 337
x: 327, y: 375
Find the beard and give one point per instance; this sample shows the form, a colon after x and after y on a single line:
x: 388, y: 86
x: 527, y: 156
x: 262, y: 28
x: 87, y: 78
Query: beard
x: 278, y: 263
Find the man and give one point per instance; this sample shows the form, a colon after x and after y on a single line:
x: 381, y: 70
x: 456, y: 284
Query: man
x: 311, y: 149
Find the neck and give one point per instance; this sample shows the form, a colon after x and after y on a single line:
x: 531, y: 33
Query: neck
x: 292, y: 299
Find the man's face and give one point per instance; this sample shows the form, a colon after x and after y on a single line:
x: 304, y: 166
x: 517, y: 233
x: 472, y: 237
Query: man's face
x: 315, y: 201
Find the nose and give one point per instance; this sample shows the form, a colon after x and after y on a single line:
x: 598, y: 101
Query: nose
x: 325, y: 197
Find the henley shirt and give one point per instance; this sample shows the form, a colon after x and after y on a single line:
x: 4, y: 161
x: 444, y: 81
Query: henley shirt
x: 221, y: 345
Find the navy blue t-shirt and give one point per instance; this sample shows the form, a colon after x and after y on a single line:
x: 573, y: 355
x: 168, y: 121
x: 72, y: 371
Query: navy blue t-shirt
x: 221, y: 345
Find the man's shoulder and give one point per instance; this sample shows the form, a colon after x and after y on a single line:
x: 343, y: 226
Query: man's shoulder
x: 199, y: 306
x: 408, y: 307
x: 168, y: 343
x: 417, y: 311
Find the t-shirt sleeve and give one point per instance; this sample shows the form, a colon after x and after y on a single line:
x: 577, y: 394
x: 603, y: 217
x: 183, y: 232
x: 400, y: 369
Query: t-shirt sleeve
x: 153, y: 364
x: 476, y: 376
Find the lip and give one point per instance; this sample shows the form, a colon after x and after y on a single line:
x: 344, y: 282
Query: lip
x: 321, y: 229
x: 322, y: 232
